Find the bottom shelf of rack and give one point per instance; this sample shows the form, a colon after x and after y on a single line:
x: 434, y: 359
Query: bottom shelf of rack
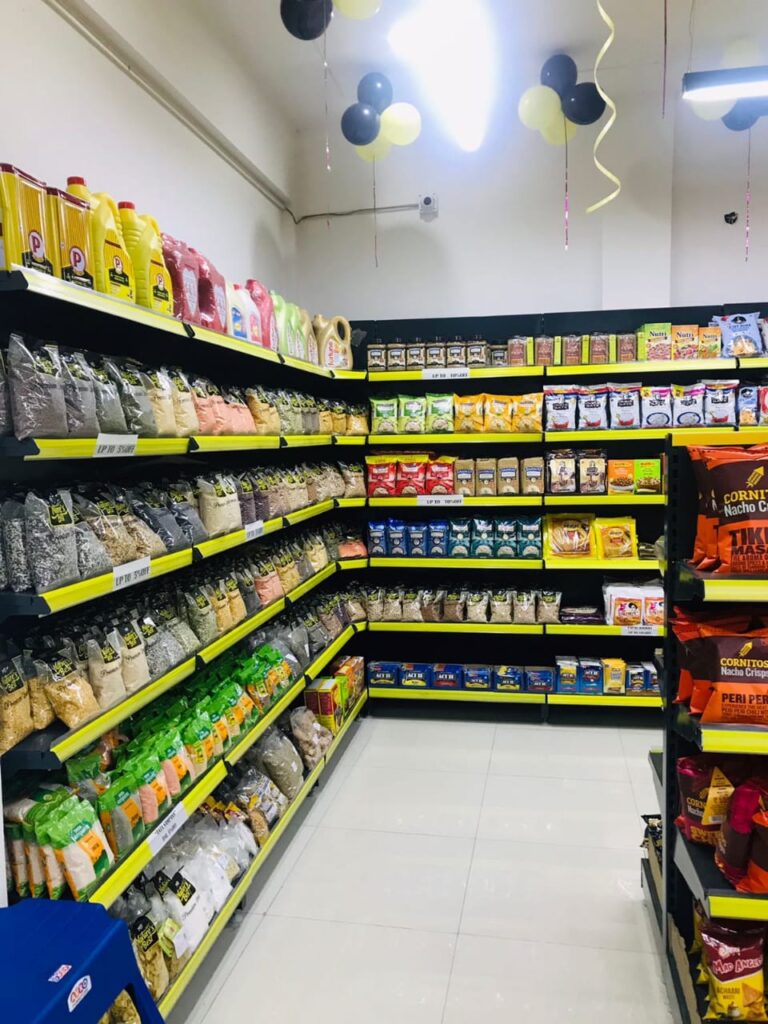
x: 696, y: 863
x: 491, y: 696
x: 237, y: 895
x: 605, y: 701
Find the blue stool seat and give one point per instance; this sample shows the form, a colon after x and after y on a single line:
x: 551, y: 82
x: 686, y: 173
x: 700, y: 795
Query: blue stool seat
x: 66, y: 963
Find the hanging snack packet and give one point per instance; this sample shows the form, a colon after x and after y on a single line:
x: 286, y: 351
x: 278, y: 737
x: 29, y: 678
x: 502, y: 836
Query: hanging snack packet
x: 561, y: 402
x: 439, y: 414
x: 720, y: 402
x: 656, y: 405
x: 469, y: 414
x: 625, y: 406
x: 705, y: 792
x: 593, y: 407
x: 412, y: 414
x: 735, y: 836
x: 384, y: 415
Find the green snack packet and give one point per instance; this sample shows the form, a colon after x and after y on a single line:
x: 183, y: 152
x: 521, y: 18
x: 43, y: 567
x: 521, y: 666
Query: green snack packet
x: 383, y: 415
x: 439, y: 419
x: 412, y: 414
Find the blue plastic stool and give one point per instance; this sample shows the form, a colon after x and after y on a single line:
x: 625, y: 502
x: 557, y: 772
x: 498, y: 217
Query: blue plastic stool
x: 66, y: 963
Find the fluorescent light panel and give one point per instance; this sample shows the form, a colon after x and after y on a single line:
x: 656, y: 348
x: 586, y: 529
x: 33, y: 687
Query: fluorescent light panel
x: 450, y: 45
x: 728, y: 84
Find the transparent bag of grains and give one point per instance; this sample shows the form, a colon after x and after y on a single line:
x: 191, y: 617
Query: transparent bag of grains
x: 319, y: 637
x: 201, y: 615
x: 161, y: 656
x: 297, y: 638
x: 315, y: 550
x: 149, y: 504
x: 51, y: 541
x: 126, y: 638
x: 109, y: 411
x: 186, y: 515
x: 132, y: 385
x: 374, y: 604
x: 101, y: 514
x: 168, y: 616
x: 184, y: 413
x: 79, y: 395
x: 6, y: 423
x: 261, y: 496
x: 42, y: 712
x: 92, y: 556
x: 15, y: 711
x: 36, y: 388
x: 245, y: 497
x: 67, y: 689
x: 15, y: 546
x: 105, y: 670
x: 275, y: 755
x: 247, y: 586
x: 160, y: 394
x: 219, y: 507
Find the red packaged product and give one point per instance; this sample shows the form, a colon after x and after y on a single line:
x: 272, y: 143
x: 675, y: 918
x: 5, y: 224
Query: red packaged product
x: 756, y: 877
x: 734, y: 842
x: 411, y: 478
x: 382, y: 477
x: 184, y: 268
x: 263, y: 300
x: 733, y: 961
x: 439, y: 477
x: 212, y: 295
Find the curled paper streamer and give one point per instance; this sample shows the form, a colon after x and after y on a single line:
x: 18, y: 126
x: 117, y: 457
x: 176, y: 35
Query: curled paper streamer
x: 611, y: 120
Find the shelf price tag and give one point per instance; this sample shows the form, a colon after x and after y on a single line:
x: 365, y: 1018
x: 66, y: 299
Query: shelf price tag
x: 446, y: 373
x: 439, y: 500
x: 167, y: 828
x: 113, y: 446
x: 130, y: 573
x: 639, y: 630
x: 254, y: 530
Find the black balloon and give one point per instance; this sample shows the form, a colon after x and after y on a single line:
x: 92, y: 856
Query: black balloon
x: 360, y: 124
x: 375, y: 89
x: 306, y: 19
x: 583, y: 104
x: 744, y: 114
x: 560, y: 73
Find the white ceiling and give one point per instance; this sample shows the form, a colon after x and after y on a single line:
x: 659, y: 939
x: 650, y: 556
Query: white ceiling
x: 529, y: 31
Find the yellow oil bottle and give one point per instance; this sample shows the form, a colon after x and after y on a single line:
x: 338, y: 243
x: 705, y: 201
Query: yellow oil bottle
x: 113, y: 268
x: 334, y: 340
x: 70, y: 223
x: 143, y: 241
x: 25, y: 237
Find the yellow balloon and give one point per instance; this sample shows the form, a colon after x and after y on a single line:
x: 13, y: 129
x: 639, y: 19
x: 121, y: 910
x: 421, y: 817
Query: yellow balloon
x: 401, y: 124
x: 710, y: 110
x: 539, y: 107
x: 741, y: 53
x: 558, y: 133
x: 357, y: 9
x: 377, y: 150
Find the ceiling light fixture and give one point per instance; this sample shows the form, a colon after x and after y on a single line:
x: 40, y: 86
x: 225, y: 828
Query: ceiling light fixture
x: 727, y: 84
x: 450, y: 46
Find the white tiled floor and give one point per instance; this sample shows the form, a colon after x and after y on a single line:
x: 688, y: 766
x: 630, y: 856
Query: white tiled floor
x: 454, y: 872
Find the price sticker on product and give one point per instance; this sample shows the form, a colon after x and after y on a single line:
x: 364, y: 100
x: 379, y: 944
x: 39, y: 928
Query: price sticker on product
x: 254, y: 530
x: 167, y: 828
x: 130, y: 573
x: 439, y: 500
x: 114, y: 446
x: 446, y: 373
x: 640, y: 631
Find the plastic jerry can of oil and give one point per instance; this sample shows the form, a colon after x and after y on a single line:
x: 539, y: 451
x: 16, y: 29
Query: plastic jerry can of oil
x: 334, y: 339
x: 212, y: 295
x: 237, y: 312
x: 284, y: 336
x: 184, y: 268
x: 263, y: 300
x: 310, y: 341
x: 252, y: 315
x: 113, y: 267
x: 295, y: 327
x: 145, y: 244
x: 70, y: 222
x: 25, y: 236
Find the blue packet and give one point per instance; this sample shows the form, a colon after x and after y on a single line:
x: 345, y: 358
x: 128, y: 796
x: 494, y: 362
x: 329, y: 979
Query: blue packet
x: 437, y: 543
x: 509, y: 678
x: 417, y: 675
x: 383, y: 673
x: 590, y: 675
x: 539, y: 679
x: 377, y: 539
x: 397, y: 538
x: 459, y: 538
x: 417, y: 539
x: 529, y: 538
x: 477, y: 677
x: 447, y: 677
x: 741, y: 335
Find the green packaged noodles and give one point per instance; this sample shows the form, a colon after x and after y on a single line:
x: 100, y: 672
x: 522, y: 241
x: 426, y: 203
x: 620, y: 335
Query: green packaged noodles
x: 383, y: 415
x: 439, y: 419
x: 412, y: 414
x: 81, y: 847
x: 120, y: 815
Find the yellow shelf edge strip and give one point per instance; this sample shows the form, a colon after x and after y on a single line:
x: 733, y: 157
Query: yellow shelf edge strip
x: 733, y: 741
x: 500, y: 501
x: 308, y: 513
x: 489, y: 696
x: 310, y: 584
x: 460, y: 563
x: 566, y: 629
x: 604, y: 499
x: 77, y: 739
x: 454, y: 438
x: 454, y: 627
x: 234, y: 442
x: 125, y: 872
x: 745, y: 908
x: 605, y: 700
x: 306, y: 440
x: 605, y: 564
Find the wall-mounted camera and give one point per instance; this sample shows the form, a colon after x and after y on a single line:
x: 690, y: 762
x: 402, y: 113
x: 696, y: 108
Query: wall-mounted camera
x: 428, y: 206
x: 730, y: 218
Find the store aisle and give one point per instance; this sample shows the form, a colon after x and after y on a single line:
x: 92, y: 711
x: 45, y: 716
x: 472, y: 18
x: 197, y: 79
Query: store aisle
x: 457, y: 871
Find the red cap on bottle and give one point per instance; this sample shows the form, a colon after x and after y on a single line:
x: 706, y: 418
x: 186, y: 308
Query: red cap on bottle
x: 126, y: 206
x: 75, y: 180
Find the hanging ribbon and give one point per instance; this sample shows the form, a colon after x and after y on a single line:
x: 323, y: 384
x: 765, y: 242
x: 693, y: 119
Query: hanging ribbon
x: 567, y: 194
x: 666, y: 54
x: 748, y: 199
x: 611, y: 120
x: 375, y: 220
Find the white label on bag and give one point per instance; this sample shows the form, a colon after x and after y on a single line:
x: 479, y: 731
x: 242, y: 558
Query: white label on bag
x: 130, y: 573
x: 446, y: 373
x: 110, y: 446
x: 436, y: 500
x: 639, y: 630
x: 168, y: 828
x: 254, y: 530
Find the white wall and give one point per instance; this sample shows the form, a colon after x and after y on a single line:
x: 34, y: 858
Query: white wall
x: 72, y: 111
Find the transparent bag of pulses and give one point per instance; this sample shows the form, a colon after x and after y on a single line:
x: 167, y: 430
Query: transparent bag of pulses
x: 92, y: 556
x: 67, y: 689
x: 36, y: 389
x: 133, y: 386
x: 126, y: 638
x: 15, y: 546
x: 105, y: 671
x: 6, y: 423
x: 79, y: 395
x: 184, y: 412
x: 109, y: 411
x: 51, y: 541
x: 219, y: 505
x: 160, y: 393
